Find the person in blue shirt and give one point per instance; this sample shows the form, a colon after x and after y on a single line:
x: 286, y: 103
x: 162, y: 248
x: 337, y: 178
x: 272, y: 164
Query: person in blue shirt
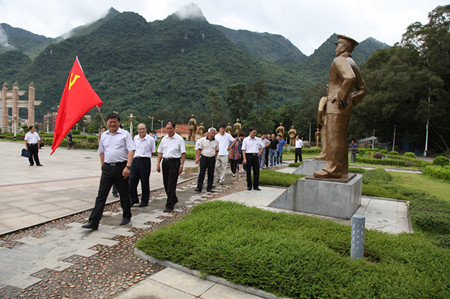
x: 281, y: 143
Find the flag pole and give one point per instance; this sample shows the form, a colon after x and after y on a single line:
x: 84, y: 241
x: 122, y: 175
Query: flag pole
x: 98, y: 108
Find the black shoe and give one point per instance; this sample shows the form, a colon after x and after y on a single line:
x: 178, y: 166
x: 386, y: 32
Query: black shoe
x: 211, y: 190
x: 115, y: 194
x: 249, y: 188
x: 31, y: 164
x: 198, y: 190
x: 167, y: 210
x: 257, y: 189
x: 143, y: 204
x: 125, y: 221
x: 91, y: 225
x: 213, y: 187
x: 131, y: 203
x: 39, y: 165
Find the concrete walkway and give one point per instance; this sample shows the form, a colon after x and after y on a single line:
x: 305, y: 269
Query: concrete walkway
x: 63, y: 260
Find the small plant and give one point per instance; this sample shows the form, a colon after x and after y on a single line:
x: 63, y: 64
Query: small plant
x: 409, y: 154
x: 378, y: 155
x: 393, y: 153
x: 441, y: 160
x: 383, y: 151
x: 295, y: 164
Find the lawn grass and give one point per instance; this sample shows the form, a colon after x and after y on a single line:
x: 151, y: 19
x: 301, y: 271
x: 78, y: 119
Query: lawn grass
x: 434, y: 186
x: 275, y: 178
x: 300, y: 256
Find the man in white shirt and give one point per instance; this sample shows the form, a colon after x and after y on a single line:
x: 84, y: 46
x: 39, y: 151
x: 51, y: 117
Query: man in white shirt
x: 32, y: 140
x: 208, y: 149
x: 298, y: 148
x: 141, y: 166
x: 224, y: 139
x: 172, y: 151
x: 116, y: 149
x: 251, y: 150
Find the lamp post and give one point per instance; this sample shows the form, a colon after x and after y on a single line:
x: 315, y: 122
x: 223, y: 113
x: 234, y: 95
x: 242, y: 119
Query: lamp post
x: 161, y: 126
x: 310, y: 132
x: 151, y: 117
x: 131, y: 124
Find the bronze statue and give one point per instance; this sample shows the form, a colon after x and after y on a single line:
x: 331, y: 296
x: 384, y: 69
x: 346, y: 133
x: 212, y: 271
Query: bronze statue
x: 280, y: 131
x: 318, y: 138
x: 344, y: 77
x: 229, y: 129
x: 201, y: 129
x: 292, y: 132
x: 192, y: 128
x: 322, y: 127
x: 237, y: 127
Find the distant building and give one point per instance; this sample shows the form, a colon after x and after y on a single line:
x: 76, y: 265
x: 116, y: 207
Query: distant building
x: 49, y: 122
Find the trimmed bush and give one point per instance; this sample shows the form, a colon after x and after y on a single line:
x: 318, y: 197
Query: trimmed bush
x: 380, y: 162
x: 383, y: 151
x: 376, y: 176
x: 378, y: 155
x: 441, y: 160
x: 409, y: 154
x: 295, y: 164
x: 393, y: 153
x: 356, y: 170
x: 438, y: 172
x: 275, y: 178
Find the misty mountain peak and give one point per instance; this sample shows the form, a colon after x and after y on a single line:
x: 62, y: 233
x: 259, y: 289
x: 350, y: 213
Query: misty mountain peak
x: 190, y: 11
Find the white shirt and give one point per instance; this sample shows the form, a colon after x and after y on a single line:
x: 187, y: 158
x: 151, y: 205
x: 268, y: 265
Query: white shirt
x: 144, y: 146
x: 224, y: 143
x: 32, y: 138
x: 172, y: 147
x: 298, y: 143
x: 208, y: 147
x: 252, y: 145
x: 116, y: 146
x: 265, y: 142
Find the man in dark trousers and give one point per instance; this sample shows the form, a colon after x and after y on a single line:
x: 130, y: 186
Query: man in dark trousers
x: 208, y: 149
x: 251, y: 150
x: 116, y: 150
x: 32, y: 140
x: 141, y: 166
x: 172, y: 152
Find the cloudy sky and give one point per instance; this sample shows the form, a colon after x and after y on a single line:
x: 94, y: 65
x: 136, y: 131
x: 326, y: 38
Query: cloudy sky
x: 307, y: 24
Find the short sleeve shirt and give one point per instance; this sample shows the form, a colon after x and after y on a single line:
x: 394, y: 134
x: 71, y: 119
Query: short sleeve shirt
x: 144, y: 146
x: 32, y: 138
x: 252, y: 145
x: 116, y: 146
x: 208, y: 147
x: 224, y: 143
x: 172, y: 147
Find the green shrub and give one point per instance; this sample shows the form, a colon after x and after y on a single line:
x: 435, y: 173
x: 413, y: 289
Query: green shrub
x: 295, y: 164
x: 311, y: 150
x: 383, y: 151
x: 438, y: 172
x: 409, y: 154
x: 378, y: 155
x: 361, y: 151
x: 381, y: 162
x: 356, y: 170
x: 190, y: 154
x: 76, y: 132
x: 441, y: 160
x: 393, y: 153
x: 275, y: 178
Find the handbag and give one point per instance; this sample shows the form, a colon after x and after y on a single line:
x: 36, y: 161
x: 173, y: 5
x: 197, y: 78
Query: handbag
x: 25, y: 153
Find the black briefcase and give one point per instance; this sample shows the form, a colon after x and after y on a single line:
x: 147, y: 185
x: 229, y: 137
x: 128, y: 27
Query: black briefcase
x: 25, y: 153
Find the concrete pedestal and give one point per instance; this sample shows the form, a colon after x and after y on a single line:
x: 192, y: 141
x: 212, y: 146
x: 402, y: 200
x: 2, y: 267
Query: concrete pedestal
x: 332, y: 198
x: 308, y: 167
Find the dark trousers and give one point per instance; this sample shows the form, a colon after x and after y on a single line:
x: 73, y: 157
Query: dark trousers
x: 252, y: 163
x: 298, y: 154
x: 34, y: 150
x: 170, y: 169
x: 140, y: 170
x: 206, y: 163
x: 266, y: 152
x: 234, y: 164
x: 111, y: 175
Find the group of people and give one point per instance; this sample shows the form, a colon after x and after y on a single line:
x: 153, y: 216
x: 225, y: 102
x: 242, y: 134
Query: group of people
x: 126, y: 161
x: 217, y: 148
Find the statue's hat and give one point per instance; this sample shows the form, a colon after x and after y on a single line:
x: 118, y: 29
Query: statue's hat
x: 348, y: 39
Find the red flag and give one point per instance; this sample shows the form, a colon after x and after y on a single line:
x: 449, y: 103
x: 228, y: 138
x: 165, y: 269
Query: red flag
x: 77, y: 99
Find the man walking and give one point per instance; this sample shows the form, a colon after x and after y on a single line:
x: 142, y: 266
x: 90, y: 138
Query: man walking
x: 224, y: 139
x: 273, y: 150
x: 281, y: 144
x: 172, y: 152
x: 251, y: 150
x: 141, y: 166
x: 208, y: 149
x: 32, y: 140
x: 354, y: 150
x: 266, y: 143
x: 298, y: 149
x: 116, y: 150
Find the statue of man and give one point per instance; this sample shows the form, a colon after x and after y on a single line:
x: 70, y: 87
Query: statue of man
x: 280, y: 131
x: 229, y: 129
x: 192, y: 125
x: 201, y: 129
x: 322, y: 127
x: 344, y: 77
x: 292, y: 132
x: 237, y: 127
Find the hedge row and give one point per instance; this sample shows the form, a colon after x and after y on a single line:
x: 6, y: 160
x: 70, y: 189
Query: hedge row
x: 438, y: 172
x: 380, y: 161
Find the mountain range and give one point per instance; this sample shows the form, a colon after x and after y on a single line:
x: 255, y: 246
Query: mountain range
x: 164, y: 65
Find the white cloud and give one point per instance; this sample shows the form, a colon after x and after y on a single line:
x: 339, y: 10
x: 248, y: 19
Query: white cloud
x: 307, y: 24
